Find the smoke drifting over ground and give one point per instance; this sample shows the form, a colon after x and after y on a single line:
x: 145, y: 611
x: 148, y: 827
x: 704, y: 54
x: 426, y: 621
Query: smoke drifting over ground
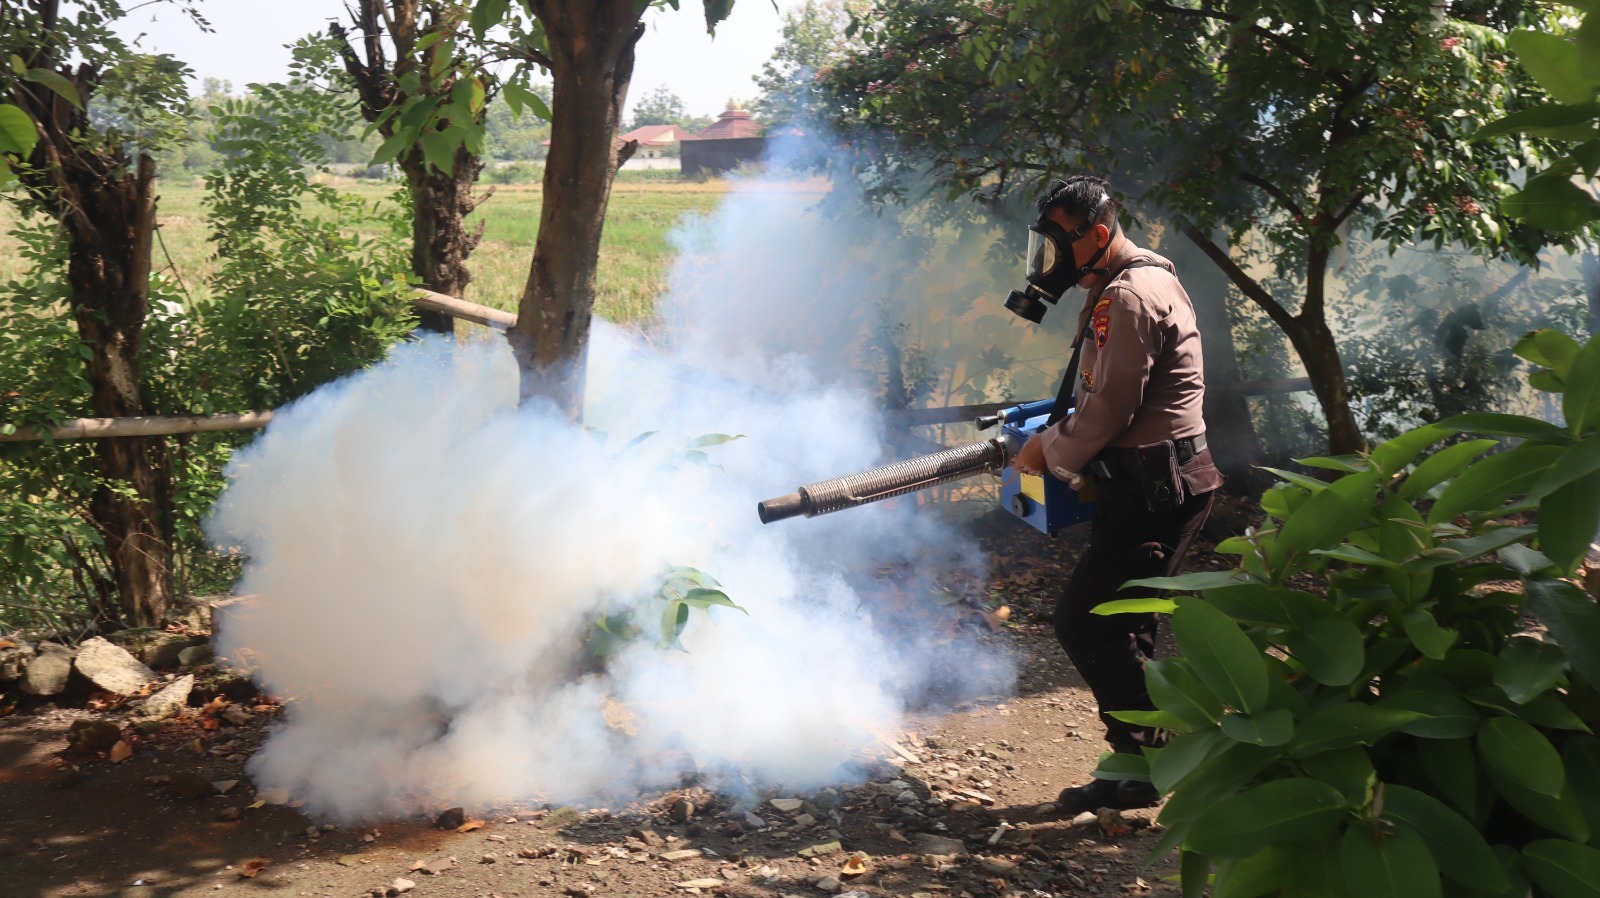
x: 426, y: 558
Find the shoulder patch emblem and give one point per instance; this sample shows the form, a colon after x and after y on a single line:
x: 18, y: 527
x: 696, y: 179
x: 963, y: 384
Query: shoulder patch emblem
x: 1101, y: 322
x: 1088, y: 380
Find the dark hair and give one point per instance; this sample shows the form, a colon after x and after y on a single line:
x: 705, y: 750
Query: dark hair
x: 1084, y: 195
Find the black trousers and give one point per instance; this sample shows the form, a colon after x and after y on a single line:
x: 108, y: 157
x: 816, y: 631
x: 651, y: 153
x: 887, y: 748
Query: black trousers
x: 1128, y: 542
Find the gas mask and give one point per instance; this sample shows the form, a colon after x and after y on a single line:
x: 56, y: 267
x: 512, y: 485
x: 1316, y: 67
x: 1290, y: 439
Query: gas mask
x: 1051, y: 268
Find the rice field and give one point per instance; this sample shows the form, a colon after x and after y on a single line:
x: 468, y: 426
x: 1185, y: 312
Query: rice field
x: 636, y: 250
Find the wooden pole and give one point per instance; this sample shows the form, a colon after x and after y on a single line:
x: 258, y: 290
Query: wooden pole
x: 147, y: 426
x: 460, y: 308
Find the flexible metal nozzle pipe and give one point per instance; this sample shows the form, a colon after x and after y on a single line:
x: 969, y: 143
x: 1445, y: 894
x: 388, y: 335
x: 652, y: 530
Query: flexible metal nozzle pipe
x: 888, y: 481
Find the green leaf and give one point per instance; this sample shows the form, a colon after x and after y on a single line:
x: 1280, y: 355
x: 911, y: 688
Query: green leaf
x: 1549, y: 712
x: 1524, y: 560
x: 1577, y: 461
x: 1274, y: 726
x: 439, y: 148
x: 1455, y: 843
x: 1121, y: 766
x: 1441, y: 466
x: 1456, y: 551
x: 1426, y: 634
x: 1550, y: 348
x: 1452, y: 766
x: 1194, y: 869
x: 1300, y: 480
x: 1581, y: 405
x: 1346, y: 724
x: 703, y: 598
x: 1397, y: 865
x: 1162, y: 720
x: 1554, y: 62
x: 390, y: 148
x: 1563, y: 869
x: 1265, y: 871
x: 17, y: 132
x: 1573, y: 619
x: 486, y: 14
x: 1561, y: 814
x: 1527, y: 667
x: 1199, y: 580
x: 1486, y: 485
x: 1349, y: 770
x: 1448, y: 715
x: 1174, y: 687
x: 1552, y: 202
x: 1332, y: 650
x: 1284, y: 810
x: 673, y: 619
x: 1319, y: 875
x: 1356, y: 555
x: 1346, y: 464
x: 519, y: 97
x: 1150, y: 605
x: 1184, y: 755
x: 1540, y: 119
x: 1496, y: 424
x: 1400, y: 451
x: 713, y: 439
x: 1327, y: 518
x: 57, y: 84
x: 1581, y: 755
x: 1222, y: 656
x: 1252, y: 603
x: 1517, y: 751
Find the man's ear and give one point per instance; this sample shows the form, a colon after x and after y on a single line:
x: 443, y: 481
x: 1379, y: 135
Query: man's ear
x: 1102, y: 236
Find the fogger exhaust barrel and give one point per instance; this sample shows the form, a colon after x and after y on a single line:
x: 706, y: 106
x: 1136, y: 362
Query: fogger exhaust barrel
x: 888, y: 481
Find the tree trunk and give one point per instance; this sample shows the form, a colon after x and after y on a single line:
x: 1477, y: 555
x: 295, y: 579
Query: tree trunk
x: 1313, y: 341
x: 440, y: 242
x: 108, y: 268
x: 591, y: 47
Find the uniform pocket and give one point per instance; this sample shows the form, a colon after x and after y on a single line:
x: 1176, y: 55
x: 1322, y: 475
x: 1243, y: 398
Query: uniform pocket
x: 1200, y: 474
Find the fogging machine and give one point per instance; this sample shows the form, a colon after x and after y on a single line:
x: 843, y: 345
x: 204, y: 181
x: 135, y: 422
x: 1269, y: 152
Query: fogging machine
x: 1045, y: 503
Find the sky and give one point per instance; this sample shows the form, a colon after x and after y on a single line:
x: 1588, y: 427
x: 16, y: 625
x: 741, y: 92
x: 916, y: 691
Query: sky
x: 248, y: 44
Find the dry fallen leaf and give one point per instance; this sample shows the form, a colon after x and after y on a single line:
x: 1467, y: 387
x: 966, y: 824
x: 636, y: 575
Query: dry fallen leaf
x: 855, y: 866
x: 7, y: 644
x: 250, y: 868
x: 1111, y: 822
x: 122, y: 751
x: 215, y: 706
x: 469, y: 826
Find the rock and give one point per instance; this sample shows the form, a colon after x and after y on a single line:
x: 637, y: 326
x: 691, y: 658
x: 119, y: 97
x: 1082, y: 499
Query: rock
x: 194, y: 612
x: 682, y: 810
x: 753, y: 821
x: 93, y: 735
x: 682, y: 854
x: 400, y: 886
x: 786, y: 805
x: 928, y: 843
x: 229, y: 814
x: 998, y: 866
x: 699, y: 884
x: 156, y: 648
x: 195, y: 655
x: 14, y: 662
x: 47, y: 673
x: 171, y: 700
x: 822, y: 849
x: 486, y: 859
x: 450, y: 818
x: 223, y: 787
x: 273, y: 795
x: 647, y: 836
x: 111, y: 667
x: 829, y: 884
x: 804, y: 820
x: 192, y: 786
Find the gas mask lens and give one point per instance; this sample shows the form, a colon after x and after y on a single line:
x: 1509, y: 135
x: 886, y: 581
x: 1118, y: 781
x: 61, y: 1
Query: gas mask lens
x: 1042, y: 254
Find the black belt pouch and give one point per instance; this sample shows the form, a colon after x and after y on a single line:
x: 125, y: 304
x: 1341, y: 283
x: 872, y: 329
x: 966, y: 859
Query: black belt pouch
x: 1158, y: 476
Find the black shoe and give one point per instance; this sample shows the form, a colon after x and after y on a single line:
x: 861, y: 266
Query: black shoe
x: 1097, y: 793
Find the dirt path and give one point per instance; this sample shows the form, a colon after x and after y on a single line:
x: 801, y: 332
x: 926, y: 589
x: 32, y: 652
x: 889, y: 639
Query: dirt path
x: 75, y: 825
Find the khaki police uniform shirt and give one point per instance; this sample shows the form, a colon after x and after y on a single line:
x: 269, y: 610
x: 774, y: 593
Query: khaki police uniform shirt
x: 1141, y: 377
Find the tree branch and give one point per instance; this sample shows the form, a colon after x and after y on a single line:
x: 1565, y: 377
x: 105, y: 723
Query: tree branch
x: 1277, y: 40
x: 1275, y: 192
x: 1246, y: 284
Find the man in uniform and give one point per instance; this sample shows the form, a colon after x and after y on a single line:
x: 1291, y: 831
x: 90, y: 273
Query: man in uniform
x: 1137, y: 429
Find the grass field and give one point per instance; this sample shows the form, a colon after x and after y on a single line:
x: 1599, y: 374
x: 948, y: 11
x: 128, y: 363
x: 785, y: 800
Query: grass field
x: 635, y: 253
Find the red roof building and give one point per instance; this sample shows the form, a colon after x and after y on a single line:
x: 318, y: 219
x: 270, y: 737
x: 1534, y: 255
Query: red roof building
x: 656, y: 135
x: 732, y: 123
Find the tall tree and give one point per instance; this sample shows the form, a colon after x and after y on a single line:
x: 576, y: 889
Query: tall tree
x: 813, y: 39
x: 659, y: 107
x: 1270, y: 131
x: 98, y: 181
x: 419, y: 90
x: 588, y: 48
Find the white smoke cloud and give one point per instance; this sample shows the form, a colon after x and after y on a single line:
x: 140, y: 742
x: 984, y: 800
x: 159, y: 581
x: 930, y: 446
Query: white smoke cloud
x: 426, y: 558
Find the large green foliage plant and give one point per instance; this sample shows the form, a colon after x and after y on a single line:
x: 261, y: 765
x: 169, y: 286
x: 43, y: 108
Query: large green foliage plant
x: 1394, y: 691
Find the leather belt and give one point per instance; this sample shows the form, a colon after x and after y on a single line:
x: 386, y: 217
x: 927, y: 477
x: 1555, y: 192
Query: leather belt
x: 1113, y: 463
x: 1189, y: 447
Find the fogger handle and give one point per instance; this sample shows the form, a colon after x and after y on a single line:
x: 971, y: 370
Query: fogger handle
x: 908, y: 476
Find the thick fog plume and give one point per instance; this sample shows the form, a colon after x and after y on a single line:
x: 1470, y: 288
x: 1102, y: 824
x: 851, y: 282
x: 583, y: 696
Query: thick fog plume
x: 427, y: 562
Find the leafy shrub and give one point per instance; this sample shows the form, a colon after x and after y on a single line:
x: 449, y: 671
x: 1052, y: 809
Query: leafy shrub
x: 1408, y: 733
